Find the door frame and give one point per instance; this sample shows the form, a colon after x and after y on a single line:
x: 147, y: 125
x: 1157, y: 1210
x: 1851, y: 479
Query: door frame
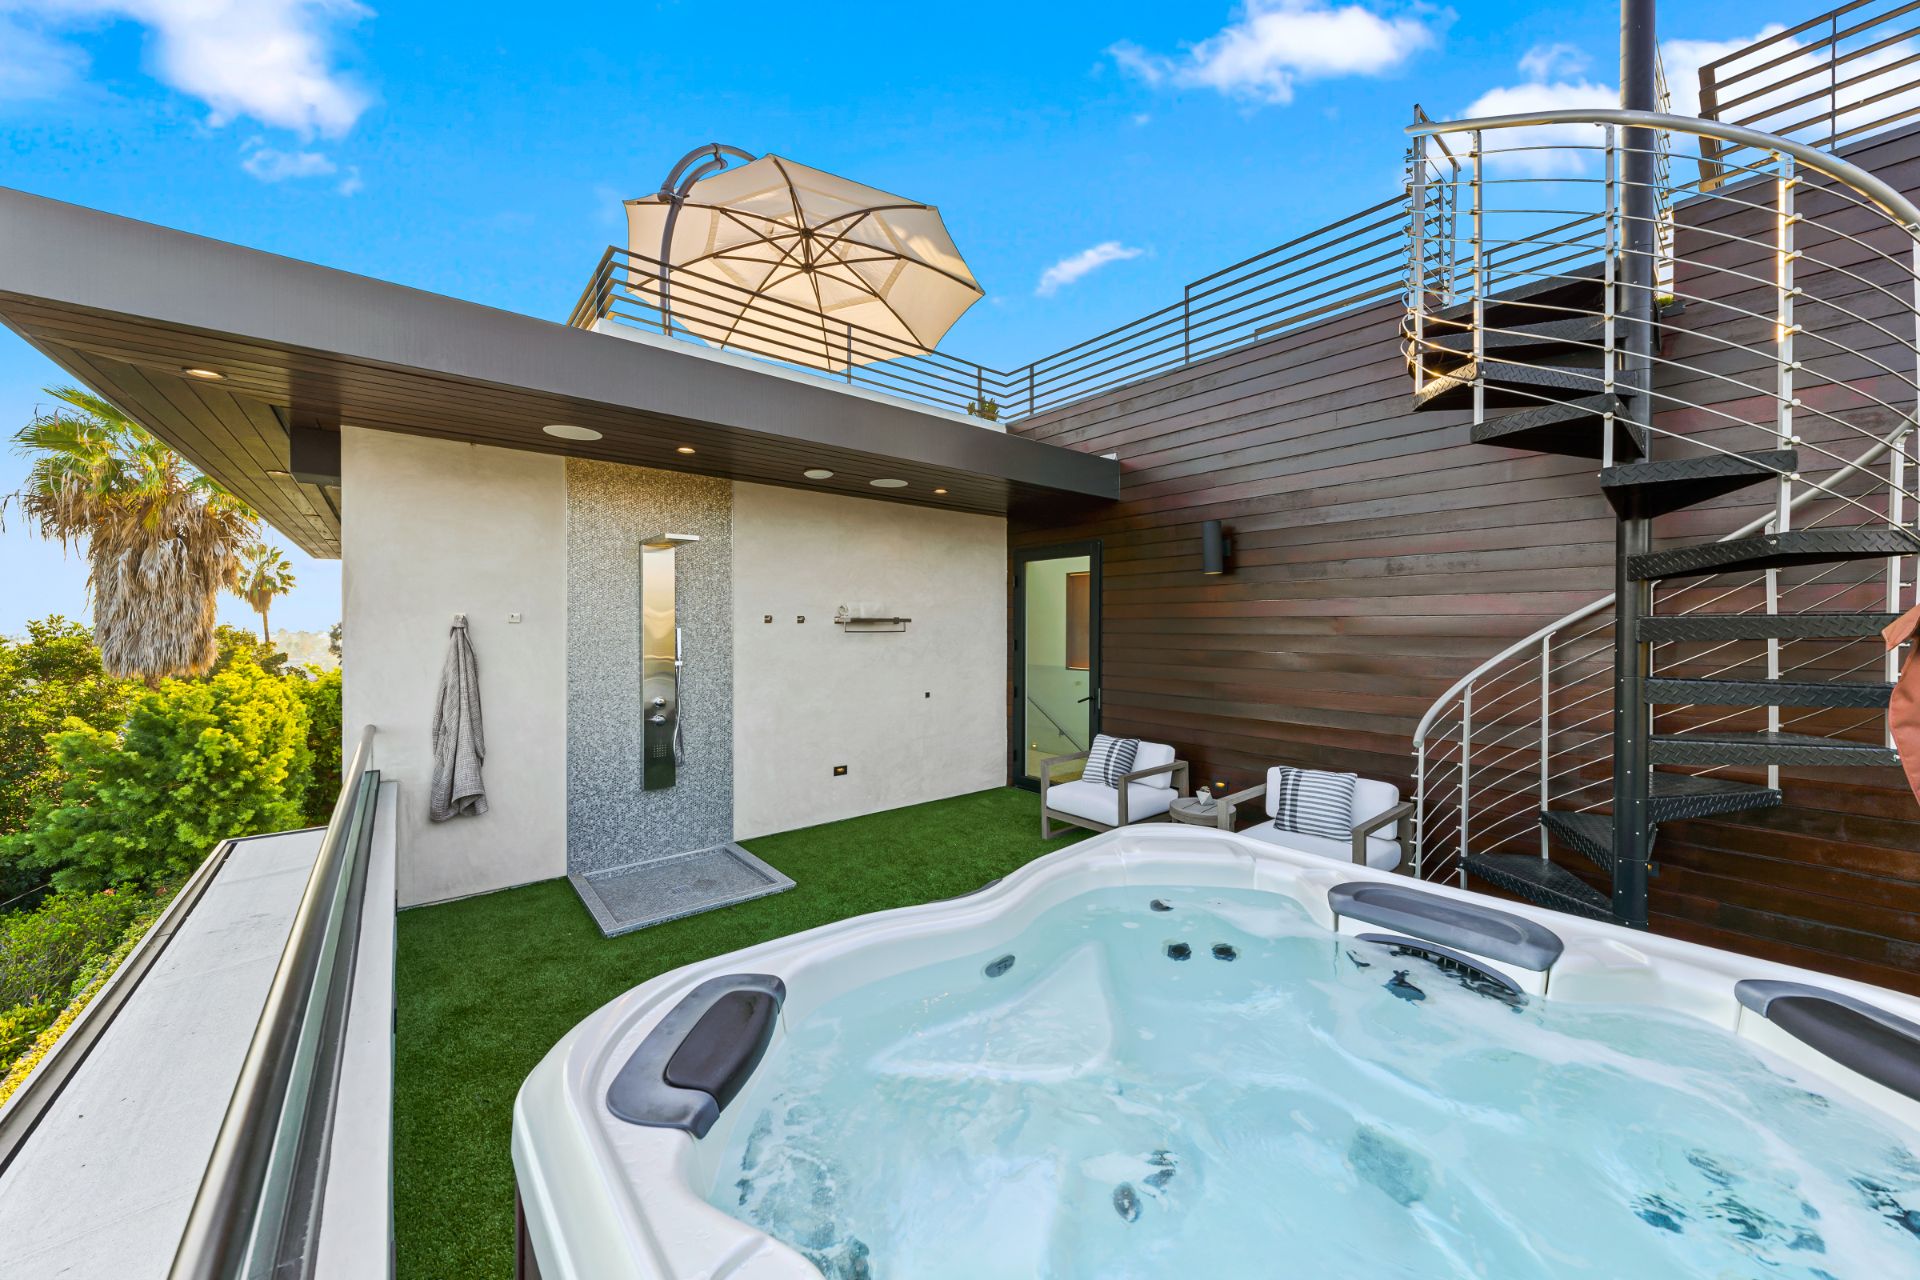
x: 1018, y: 561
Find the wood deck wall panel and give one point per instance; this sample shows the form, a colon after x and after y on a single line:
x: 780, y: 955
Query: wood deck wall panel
x: 1379, y: 556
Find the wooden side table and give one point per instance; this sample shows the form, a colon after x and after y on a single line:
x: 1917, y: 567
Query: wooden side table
x: 1190, y: 810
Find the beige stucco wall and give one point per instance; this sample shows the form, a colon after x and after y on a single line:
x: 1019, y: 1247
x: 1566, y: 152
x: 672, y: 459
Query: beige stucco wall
x: 430, y: 529
x: 914, y: 716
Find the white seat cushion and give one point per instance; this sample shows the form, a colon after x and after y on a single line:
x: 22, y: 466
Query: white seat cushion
x: 1370, y: 800
x: 1382, y: 855
x: 1152, y: 755
x: 1100, y: 803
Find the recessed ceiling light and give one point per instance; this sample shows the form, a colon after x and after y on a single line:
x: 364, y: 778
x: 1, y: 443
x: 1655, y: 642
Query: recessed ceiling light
x: 818, y: 473
x: 567, y: 431
x: 278, y: 474
x: 205, y: 375
x: 888, y: 484
x: 685, y: 448
x: 939, y: 490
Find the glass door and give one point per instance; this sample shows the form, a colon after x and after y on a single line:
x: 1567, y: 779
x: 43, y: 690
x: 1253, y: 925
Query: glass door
x: 1056, y: 657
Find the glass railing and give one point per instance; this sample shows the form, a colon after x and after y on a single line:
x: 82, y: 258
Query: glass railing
x: 257, y: 1212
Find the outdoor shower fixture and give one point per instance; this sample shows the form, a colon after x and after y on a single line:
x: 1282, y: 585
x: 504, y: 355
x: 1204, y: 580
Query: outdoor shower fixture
x: 660, y: 662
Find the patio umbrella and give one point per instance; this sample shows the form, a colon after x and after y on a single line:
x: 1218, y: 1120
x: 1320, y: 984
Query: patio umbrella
x: 789, y: 261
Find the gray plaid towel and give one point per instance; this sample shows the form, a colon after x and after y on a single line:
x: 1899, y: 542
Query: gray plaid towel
x: 458, y: 747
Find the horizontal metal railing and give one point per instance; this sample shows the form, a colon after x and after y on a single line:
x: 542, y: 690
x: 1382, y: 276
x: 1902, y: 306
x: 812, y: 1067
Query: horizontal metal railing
x: 1797, y: 280
x: 1842, y: 75
x: 1343, y: 267
x: 257, y: 1211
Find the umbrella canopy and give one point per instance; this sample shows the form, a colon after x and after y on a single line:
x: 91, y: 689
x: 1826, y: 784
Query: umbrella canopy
x: 795, y: 263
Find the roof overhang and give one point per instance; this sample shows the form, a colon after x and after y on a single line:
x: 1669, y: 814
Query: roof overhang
x: 126, y: 306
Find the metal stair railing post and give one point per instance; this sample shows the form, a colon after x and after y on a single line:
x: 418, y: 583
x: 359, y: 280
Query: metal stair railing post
x: 1546, y: 733
x: 1896, y: 500
x: 1610, y: 299
x: 1417, y: 257
x: 1466, y: 775
x: 1783, y: 255
x: 1479, y: 303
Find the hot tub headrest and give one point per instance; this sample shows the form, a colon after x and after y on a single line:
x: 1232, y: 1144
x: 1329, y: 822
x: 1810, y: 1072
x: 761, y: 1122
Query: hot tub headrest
x: 1432, y: 917
x: 697, y: 1058
x: 1877, y: 1044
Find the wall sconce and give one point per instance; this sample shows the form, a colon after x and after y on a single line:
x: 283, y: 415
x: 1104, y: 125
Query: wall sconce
x: 1215, y: 547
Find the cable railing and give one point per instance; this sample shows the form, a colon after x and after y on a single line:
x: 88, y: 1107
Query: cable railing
x: 257, y: 1211
x: 1787, y: 303
x: 1344, y: 267
x: 1835, y: 78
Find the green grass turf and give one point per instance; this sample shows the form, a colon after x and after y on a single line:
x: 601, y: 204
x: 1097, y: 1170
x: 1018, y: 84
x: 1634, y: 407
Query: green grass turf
x: 488, y: 984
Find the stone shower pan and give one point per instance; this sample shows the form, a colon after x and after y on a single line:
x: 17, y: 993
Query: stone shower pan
x: 622, y: 899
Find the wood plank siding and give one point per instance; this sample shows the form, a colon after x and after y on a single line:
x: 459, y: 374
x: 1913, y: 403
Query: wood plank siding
x: 1379, y: 556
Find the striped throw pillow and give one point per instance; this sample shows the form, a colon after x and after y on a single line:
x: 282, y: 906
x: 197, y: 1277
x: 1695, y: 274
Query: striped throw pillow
x: 1311, y: 803
x: 1111, y: 760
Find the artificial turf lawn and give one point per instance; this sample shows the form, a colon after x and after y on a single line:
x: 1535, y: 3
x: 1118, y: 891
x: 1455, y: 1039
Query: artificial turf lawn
x: 488, y: 984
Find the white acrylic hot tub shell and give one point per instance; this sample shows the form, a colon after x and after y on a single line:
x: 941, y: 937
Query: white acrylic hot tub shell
x: 608, y: 1200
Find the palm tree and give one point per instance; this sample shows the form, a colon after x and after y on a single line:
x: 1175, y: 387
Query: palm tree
x: 161, y: 539
x: 264, y: 576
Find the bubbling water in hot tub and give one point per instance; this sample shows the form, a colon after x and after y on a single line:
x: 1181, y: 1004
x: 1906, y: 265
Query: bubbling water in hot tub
x: 1222, y: 1089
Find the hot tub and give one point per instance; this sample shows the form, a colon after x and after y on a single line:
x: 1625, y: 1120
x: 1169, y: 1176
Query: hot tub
x: 1176, y: 1052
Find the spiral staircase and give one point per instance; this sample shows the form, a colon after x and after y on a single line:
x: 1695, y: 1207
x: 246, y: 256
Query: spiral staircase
x: 1757, y: 369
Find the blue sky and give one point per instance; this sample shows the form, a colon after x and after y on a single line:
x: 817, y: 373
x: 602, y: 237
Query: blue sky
x: 1089, y: 159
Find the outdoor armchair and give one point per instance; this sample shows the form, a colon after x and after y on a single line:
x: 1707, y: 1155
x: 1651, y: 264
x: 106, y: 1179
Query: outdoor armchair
x: 1155, y: 782
x: 1371, y: 840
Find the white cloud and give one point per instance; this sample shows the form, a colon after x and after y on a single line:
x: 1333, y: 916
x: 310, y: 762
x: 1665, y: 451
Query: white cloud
x: 1542, y: 151
x: 272, y: 61
x: 351, y: 185
x: 1273, y: 45
x: 1070, y: 269
x: 271, y: 165
x: 35, y: 67
x: 1544, y: 62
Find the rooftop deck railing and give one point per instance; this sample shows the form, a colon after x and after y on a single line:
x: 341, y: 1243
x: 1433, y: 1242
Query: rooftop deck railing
x: 1348, y: 265
x: 1837, y: 77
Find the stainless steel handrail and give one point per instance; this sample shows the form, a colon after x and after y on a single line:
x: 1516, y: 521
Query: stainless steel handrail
x: 223, y: 1227
x: 1832, y: 166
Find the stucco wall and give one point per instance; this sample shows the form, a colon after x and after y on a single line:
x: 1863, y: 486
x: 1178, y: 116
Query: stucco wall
x: 916, y: 715
x: 430, y: 529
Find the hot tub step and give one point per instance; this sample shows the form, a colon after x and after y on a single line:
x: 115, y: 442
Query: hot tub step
x: 1541, y: 882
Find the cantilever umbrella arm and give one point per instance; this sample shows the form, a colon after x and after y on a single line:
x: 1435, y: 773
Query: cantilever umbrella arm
x: 711, y: 158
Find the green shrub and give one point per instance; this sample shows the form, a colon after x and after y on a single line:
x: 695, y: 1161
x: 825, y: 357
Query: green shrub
x: 44, y: 950
x: 199, y: 761
x: 17, y: 1062
x: 321, y: 695
x: 52, y: 674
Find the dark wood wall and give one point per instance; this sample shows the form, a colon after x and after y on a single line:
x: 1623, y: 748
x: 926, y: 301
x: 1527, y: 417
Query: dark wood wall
x: 1379, y: 555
